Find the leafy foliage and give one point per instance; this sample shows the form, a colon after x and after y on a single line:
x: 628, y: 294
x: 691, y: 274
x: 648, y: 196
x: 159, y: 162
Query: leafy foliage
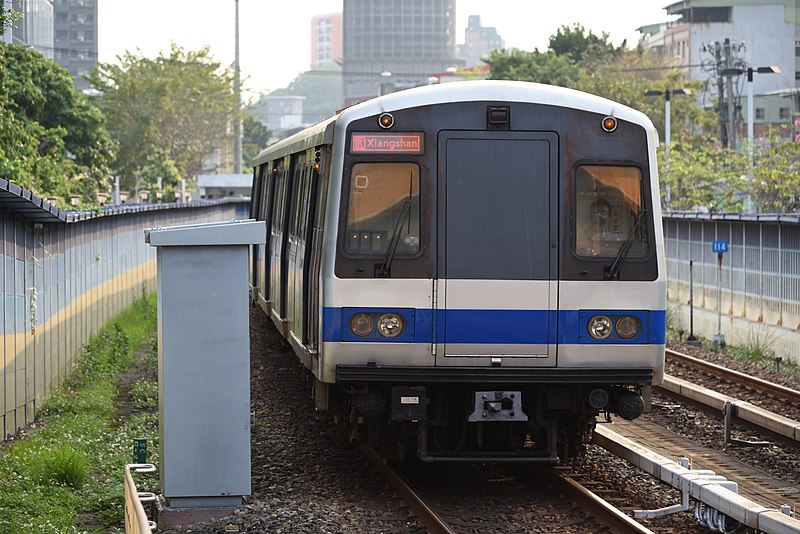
x: 322, y: 89
x: 696, y: 172
x: 8, y: 16
x: 774, y: 182
x: 701, y: 174
x: 181, y: 103
x: 69, y: 466
x: 255, y: 137
x: 52, y: 140
x: 582, y: 47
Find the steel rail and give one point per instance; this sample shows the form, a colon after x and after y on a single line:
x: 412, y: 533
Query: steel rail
x: 425, y: 514
x: 617, y: 520
x: 770, y: 388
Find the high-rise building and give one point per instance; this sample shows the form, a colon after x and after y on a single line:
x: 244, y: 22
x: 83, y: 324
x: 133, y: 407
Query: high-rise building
x: 35, y: 27
x: 387, y: 42
x: 479, y: 41
x: 76, y: 38
x: 326, y: 39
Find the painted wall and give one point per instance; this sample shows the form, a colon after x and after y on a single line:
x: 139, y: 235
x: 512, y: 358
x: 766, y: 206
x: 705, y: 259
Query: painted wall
x: 61, y: 282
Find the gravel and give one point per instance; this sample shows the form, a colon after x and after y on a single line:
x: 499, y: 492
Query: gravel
x: 307, y: 479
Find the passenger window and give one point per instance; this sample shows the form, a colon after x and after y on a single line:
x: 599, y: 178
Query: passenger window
x: 608, y: 207
x: 384, y: 203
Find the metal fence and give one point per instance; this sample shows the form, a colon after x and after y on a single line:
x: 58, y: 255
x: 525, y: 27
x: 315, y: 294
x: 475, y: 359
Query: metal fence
x: 64, y: 275
x: 759, y: 277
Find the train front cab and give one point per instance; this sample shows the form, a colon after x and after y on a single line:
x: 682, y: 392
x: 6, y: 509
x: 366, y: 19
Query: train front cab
x: 464, y: 311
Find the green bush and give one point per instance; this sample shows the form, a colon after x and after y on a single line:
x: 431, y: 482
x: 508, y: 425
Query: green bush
x: 65, y: 466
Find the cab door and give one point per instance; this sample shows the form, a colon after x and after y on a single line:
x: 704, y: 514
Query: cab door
x: 497, y: 250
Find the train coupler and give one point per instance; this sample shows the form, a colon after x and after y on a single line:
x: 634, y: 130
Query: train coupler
x: 498, y: 406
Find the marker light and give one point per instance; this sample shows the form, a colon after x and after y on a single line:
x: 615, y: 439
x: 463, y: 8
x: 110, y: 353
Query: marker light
x: 609, y: 124
x: 386, y: 121
x: 599, y: 327
x: 361, y: 324
x: 390, y: 325
x: 627, y: 326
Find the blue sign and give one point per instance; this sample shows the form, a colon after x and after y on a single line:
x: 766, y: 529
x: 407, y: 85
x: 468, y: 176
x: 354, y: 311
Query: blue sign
x: 719, y: 246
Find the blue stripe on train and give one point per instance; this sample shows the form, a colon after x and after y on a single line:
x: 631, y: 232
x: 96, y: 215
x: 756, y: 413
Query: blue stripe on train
x: 534, y: 327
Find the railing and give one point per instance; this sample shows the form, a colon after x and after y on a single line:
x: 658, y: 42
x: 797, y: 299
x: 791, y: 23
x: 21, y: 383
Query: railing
x: 136, y: 521
x: 759, y: 277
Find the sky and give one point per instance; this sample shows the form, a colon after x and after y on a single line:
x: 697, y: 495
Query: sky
x: 275, y: 35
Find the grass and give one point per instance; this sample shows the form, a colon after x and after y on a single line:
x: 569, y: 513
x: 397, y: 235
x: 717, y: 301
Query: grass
x: 65, y: 475
x: 756, y: 348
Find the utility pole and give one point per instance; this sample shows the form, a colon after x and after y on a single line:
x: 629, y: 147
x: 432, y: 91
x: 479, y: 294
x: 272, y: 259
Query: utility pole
x: 237, y: 122
x: 731, y: 108
x: 723, y: 131
x: 724, y: 59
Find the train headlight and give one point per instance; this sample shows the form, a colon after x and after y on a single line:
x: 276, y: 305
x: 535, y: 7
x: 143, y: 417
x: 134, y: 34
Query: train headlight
x: 599, y: 327
x: 609, y: 124
x: 386, y: 121
x: 361, y: 324
x: 627, y: 326
x: 390, y: 325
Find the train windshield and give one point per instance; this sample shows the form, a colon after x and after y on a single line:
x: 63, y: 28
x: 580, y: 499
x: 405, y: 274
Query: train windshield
x: 608, y: 205
x: 384, y: 204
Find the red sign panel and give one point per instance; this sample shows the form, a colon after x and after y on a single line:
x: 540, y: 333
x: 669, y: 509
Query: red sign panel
x: 387, y: 143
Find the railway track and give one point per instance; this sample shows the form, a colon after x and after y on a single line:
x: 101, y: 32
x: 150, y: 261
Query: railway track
x: 753, y: 382
x: 438, y: 515
x: 738, y: 398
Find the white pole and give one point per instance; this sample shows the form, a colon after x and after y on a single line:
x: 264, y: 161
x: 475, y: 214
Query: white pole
x: 237, y: 125
x: 667, y: 128
x: 750, y: 115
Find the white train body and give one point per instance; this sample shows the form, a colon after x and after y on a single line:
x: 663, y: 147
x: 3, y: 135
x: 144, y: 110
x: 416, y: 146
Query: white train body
x: 471, y: 271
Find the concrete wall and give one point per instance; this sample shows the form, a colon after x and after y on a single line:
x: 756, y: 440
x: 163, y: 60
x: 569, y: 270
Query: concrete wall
x: 758, y: 280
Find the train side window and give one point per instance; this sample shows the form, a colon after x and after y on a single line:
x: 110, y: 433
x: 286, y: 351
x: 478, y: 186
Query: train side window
x: 384, y: 202
x: 608, y: 204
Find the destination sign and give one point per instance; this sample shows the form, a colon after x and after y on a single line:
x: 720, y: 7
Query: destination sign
x: 387, y: 143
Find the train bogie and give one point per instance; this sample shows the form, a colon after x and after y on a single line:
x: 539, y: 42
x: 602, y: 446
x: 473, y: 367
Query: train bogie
x: 472, y: 271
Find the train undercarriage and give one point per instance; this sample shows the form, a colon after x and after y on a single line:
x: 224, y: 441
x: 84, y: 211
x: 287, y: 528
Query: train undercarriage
x: 473, y: 422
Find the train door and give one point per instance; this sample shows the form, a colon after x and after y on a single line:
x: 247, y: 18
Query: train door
x: 497, y: 250
x: 297, y: 243
x: 261, y: 210
x: 277, y: 241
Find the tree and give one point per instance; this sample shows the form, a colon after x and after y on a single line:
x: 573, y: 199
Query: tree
x: 540, y: 67
x: 581, y: 47
x: 322, y: 89
x: 52, y: 140
x: 773, y: 183
x: 181, y: 103
x: 702, y: 174
x: 255, y: 137
x: 8, y: 16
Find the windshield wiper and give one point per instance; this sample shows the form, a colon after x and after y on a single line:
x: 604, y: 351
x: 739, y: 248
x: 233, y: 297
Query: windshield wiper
x: 613, y: 271
x: 384, y: 270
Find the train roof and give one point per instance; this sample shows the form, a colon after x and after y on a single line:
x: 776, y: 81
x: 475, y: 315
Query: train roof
x: 498, y: 91
x: 464, y: 91
x: 318, y: 134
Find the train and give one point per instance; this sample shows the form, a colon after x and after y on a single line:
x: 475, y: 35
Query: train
x: 470, y: 271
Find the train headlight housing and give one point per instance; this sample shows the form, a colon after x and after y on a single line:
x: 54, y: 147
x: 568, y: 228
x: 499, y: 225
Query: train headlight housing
x: 609, y: 124
x: 390, y: 325
x: 627, y: 326
x: 600, y: 327
x: 361, y: 324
